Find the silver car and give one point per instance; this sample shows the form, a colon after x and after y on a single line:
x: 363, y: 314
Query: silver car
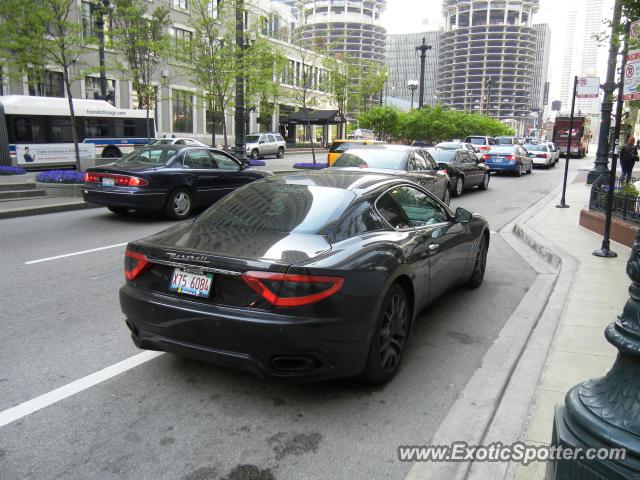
x: 262, y: 144
x: 555, y: 150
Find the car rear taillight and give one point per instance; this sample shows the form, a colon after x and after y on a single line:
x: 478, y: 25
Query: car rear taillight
x: 541, y: 155
x: 443, y: 170
x: 126, y: 181
x: 486, y: 157
x: 292, y: 290
x: 510, y: 157
x: 484, y: 147
x: 134, y: 264
x: 91, y: 177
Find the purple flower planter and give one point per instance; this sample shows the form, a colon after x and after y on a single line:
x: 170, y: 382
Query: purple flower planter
x: 60, y: 176
x: 6, y: 170
x: 310, y: 166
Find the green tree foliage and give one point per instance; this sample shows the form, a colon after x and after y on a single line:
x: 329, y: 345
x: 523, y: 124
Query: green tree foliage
x: 40, y: 33
x: 142, y: 43
x: 432, y: 124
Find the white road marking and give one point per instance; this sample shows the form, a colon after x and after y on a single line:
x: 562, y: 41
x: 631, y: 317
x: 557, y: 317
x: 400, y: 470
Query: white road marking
x: 73, y: 254
x: 38, y: 403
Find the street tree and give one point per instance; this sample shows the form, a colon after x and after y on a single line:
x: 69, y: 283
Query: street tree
x: 143, y: 48
x: 212, y: 57
x: 37, y: 34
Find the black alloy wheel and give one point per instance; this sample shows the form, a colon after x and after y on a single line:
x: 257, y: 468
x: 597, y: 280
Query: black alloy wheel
x: 281, y: 152
x: 475, y: 280
x: 389, y: 338
x: 446, y: 198
x: 255, y: 155
x: 485, y: 181
x: 458, y: 187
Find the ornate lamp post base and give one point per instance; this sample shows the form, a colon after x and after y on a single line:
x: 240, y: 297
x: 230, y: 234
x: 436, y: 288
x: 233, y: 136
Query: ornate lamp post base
x: 605, y: 412
x: 604, y: 252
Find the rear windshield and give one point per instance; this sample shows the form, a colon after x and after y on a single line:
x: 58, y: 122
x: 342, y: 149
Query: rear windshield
x: 343, y: 146
x: 443, y: 156
x: 502, y: 150
x: 505, y: 140
x: 148, y: 156
x: 448, y: 146
x: 535, y: 148
x: 476, y: 140
x: 371, y: 158
x: 274, y: 206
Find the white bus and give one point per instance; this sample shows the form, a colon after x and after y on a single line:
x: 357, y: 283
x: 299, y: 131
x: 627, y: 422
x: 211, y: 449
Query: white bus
x: 38, y: 130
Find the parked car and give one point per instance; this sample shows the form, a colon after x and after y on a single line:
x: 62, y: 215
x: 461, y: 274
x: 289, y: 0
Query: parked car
x: 555, y: 150
x: 463, y: 169
x: 482, y: 143
x: 413, y: 163
x: 190, y: 142
x: 341, y: 145
x: 507, y: 141
x: 458, y: 145
x: 541, y: 154
x: 170, y: 178
x: 512, y: 159
x: 302, y: 276
x: 262, y: 144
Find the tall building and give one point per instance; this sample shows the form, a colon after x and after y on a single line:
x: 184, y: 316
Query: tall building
x: 403, y: 63
x: 487, y: 56
x: 352, y: 27
x: 540, y: 92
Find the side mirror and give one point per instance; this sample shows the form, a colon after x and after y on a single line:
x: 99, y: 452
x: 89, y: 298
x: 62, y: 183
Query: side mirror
x: 244, y: 165
x: 462, y: 215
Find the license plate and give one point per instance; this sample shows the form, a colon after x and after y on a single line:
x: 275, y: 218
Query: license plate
x: 191, y: 283
x: 108, y: 182
x: 497, y: 159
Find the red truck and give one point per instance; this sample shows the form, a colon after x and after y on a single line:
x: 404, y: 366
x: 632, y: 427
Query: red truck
x: 580, y: 135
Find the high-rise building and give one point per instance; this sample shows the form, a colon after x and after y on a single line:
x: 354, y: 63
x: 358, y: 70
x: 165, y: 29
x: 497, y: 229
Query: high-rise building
x: 403, y: 64
x: 351, y: 27
x: 486, y: 56
x: 540, y: 92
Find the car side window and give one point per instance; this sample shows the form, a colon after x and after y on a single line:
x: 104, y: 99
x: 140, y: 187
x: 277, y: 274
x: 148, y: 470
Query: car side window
x: 421, y: 163
x: 279, y: 138
x: 179, y: 142
x: 411, y: 164
x: 431, y: 163
x: 225, y: 163
x: 466, y: 158
x: 197, y: 159
x: 361, y: 219
x: 271, y: 138
x: 263, y: 139
x: 391, y: 212
x: 419, y: 207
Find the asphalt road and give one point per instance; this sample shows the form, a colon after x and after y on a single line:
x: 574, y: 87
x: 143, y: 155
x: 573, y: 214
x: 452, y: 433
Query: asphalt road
x: 172, y: 418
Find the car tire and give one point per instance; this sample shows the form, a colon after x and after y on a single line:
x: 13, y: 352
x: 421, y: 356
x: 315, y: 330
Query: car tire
x: 389, y: 337
x: 119, y: 210
x: 446, y: 197
x: 179, y: 204
x: 485, y: 181
x: 528, y: 172
x: 255, y: 154
x: 480, y: 265
x: 458, y: 187
x: 280, y: 153
x: 519, y: 172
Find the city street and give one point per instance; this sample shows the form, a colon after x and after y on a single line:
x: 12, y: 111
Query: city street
x: 174, y: 418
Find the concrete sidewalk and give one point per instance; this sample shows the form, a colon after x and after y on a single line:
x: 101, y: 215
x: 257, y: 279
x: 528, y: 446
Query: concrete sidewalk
x: 598, y: 293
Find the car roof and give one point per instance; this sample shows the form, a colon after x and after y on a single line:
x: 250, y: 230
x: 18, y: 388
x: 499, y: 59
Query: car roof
x: 359, y: 182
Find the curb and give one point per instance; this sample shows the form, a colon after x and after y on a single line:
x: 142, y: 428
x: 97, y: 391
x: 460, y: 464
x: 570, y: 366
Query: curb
x: 29, y: 211
x: 496, y: 402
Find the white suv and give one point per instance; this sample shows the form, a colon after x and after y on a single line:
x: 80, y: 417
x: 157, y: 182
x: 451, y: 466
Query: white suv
x: 261, y: 144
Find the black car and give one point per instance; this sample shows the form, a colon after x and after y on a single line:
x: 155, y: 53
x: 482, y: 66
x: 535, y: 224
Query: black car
x: 302, y: 276
x: 413, y: 163
x: 463, y: 168
x: 171, y: 178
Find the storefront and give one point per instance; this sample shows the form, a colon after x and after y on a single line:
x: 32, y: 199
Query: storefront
x: 319, y: 126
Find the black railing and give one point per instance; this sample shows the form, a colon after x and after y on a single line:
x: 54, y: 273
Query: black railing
x: 626, y: 203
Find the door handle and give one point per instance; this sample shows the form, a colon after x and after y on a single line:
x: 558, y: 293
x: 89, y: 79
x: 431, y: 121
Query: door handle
x: 433, y: 247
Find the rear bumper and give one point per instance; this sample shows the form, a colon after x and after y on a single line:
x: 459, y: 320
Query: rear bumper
x: 502, y: 166
x: 273, y: 346
x: 134, y: 200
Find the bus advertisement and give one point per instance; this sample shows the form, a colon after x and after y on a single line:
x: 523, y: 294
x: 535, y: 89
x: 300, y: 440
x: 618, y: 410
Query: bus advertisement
x: 40, y: 135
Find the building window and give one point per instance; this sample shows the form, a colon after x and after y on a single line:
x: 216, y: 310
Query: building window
x: 92, y: 89
x: 216, y: 122
x: 179, y: 4
x: 51, y: 85
x: 182, y: 104
x: 180, y: 38
x: 214, y: 7
x: 88, y: 21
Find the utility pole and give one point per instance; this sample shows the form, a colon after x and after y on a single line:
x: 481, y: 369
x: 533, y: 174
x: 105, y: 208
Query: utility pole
x: 239, y: 107
x: 422, y: 48
x: 601, y: 164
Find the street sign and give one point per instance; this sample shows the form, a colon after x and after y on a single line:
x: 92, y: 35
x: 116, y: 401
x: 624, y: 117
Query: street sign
x: 632, y: 70
x: 588, y: 87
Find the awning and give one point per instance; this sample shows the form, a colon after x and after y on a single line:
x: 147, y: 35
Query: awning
x: 314, y: 117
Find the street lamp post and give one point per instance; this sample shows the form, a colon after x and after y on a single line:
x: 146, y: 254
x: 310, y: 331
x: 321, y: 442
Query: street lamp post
x: 102, y: 8
x: 422, y: 48
x: 413, y: 86
x: 600, y: 165
x: 239, y: 107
